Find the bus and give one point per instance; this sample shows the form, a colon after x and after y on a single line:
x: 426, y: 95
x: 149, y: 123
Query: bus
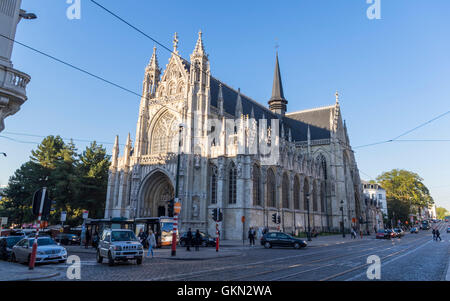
x: 162, y: 227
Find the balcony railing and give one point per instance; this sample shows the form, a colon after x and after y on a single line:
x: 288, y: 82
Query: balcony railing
x: 13, y: 82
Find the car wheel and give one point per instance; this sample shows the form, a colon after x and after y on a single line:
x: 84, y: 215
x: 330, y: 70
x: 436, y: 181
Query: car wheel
x: 139, y: 261
x: 296, y: 245
x: 110, y: 259
x: 267, y: 245
x: 99, y: 257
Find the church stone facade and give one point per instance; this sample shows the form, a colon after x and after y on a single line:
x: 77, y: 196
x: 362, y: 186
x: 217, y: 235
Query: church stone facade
x: 235, y: 154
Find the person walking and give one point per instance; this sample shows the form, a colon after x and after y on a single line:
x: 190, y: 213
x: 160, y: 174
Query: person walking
x: 353, y: 233
x: 438, y: 235
x: 197, y: 240
x: 251, y: 237
x: 88, y: 239
x: 188, y: 240
x: 434, y: 234
x: 151, y: 241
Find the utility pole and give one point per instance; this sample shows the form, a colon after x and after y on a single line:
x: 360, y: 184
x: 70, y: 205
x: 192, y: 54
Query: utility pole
x: 175, y: 226
x: 342, y: 210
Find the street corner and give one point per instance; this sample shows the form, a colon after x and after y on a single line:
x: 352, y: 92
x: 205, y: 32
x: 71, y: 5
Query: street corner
x: 17, y: 272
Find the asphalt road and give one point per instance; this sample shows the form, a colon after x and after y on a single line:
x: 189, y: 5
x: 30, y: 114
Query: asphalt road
x: 413, y: 257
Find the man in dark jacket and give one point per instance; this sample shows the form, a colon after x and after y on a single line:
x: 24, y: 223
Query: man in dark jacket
x: 198, y: 239
x: 188, y: 240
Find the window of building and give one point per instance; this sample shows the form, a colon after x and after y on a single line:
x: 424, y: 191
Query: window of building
x: 232, y: 184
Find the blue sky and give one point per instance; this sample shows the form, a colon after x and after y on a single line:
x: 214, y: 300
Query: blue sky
x: 392, y: 74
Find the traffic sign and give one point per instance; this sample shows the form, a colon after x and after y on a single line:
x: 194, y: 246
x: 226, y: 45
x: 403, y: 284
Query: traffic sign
x: 4, y: 221
x: 85, y: 214
x: 177, y: 207
x: 63, y: 216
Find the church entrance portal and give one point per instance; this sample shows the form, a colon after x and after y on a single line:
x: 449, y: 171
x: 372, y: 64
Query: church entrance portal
x: 156, y: 191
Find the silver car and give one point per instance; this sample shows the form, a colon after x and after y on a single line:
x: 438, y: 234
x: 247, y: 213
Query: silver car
x: 118, y: 244
x: 47, y: 251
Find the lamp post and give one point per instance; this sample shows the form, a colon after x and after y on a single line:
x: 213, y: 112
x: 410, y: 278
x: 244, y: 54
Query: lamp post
x: 4, y: 154
x: 174, y: 235
x: 342, y: 210
x: 309, y: 226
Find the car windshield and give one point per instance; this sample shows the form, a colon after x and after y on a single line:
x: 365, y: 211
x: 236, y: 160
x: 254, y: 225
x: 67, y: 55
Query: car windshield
x: 46, y: 241
x: 11, y: 241
x: 122, y: 236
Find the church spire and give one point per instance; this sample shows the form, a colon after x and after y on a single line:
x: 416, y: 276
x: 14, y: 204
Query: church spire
x: 220, y: 100
x: 115, y: 152
x: 238, y: 111
x: 175, y: 43
x: 277, y: 102
x: 154, y: 60
x: 199, y: 48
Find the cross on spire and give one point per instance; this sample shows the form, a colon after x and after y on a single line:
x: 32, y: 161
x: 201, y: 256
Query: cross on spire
x: 175, y: 42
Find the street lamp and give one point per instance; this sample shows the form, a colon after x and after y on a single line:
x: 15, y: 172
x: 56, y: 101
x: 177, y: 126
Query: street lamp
x: 4, y: 154
x: 28, y: 16
x: 342, y: 210
x: 309, y: 226
x: 174, y: 237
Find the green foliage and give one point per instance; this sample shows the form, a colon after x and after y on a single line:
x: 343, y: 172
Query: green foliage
x: 405, y: 193
x: 441, y: 212
x: 75, y: 182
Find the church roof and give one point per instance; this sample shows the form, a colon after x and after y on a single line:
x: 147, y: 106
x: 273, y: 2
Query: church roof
x: 277, y: 87
x: 299, y: 127
x: 319, y: 117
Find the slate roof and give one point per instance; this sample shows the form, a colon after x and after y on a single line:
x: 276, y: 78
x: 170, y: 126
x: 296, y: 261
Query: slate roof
x: 298, y: 126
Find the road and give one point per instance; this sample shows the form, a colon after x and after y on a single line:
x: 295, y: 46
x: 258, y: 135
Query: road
x: 413, y: 257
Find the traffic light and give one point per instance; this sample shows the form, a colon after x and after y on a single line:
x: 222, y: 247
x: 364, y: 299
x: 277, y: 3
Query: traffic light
x: 274, y: 218
x: 214, y: 214
x: 170, y: 205
x: 278, y: 219
x: 220, y: 215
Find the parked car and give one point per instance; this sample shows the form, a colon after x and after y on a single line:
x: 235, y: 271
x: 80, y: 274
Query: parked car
x: 47, y: 251
x: 207, y: 241
x: 6, y: 245
x: 280, y: 239
x: 414, y: 230
x: 386, y: 233
x: 400, y: 233
x: 119, y: 244
x: 68, y: 239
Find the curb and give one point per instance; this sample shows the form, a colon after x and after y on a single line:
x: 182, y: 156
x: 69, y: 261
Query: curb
x: 36, y: 278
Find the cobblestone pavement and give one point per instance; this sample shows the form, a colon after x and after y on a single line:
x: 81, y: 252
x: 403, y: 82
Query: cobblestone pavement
x: 413, y: 257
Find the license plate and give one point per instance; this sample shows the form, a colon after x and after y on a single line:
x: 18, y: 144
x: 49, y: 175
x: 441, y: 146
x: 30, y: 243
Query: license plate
x: 130, y: 257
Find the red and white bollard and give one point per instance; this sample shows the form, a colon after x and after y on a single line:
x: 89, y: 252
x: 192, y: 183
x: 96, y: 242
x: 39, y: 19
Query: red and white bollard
x: 35, y: 244
x: 174, y: 235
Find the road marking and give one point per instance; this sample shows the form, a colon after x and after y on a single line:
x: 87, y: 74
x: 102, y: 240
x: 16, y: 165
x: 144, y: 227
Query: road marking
x: 389, y: 261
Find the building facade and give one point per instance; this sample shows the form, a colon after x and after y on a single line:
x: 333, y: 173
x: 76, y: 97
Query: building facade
x: 376, y: 205
x: 235, y: 154
x: 13, y: 82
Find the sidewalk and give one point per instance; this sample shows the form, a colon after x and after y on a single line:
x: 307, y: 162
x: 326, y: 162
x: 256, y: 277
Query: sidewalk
x: 19, y: 272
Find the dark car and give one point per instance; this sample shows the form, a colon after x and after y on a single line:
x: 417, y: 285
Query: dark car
x: 68, y: 239
x: 414, y: 230
x: 6, y: 245
x: 207, y: 241
x: 280, y: 239
x: 385, y: 233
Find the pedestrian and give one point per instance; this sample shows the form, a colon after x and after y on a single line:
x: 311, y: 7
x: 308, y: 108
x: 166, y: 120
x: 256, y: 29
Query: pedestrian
x: 197, y: 240
x: 361, y: 233
x: 88, y: 239
x: 251, y: 236
x: 434, y: 234
x: 254, y: 235
x: 353, y: 233
x: 438, y: 235
x: 151, y: 241
x: 142, y: 236
x: 188, y: 240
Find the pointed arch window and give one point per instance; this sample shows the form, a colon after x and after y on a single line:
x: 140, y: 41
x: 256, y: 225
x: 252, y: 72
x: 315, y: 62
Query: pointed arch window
x: 164, y: 135
x: 285, y: 188
x: 256, y: 185
x: 271, y: 189
x: 232, y: 184
x: 314, y: 195
x: 296, y: 193
x: 213, y: 184
x: 305, y: 194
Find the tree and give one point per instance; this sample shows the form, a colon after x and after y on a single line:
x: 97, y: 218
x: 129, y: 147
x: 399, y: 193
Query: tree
x: 441, y: 212
x: 48, y: 152
x: 19, y: 193
x: 93, y: 179
x: 405, y: 193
